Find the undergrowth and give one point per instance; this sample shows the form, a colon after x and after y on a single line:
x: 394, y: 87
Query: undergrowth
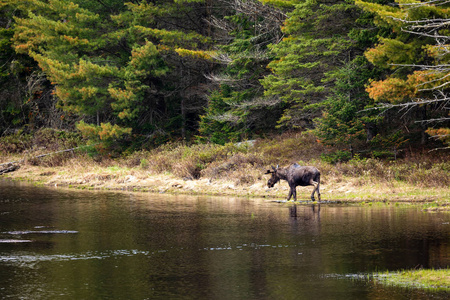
x: 247, y: 163
x: 243, y: 163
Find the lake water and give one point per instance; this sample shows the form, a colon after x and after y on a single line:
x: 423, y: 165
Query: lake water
x: 68, y: 244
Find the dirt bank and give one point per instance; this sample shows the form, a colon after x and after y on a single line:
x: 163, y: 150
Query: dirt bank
x: 136, y: 179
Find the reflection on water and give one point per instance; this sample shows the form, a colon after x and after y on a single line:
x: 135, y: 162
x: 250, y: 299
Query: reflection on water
x: 64, y: 244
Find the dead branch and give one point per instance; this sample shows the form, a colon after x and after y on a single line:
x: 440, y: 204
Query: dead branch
x: 10, y: 168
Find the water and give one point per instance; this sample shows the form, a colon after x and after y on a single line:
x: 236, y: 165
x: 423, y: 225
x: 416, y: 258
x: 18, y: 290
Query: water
x: 65, y: 244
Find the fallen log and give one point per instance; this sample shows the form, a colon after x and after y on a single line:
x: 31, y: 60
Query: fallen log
x: 9, y: 168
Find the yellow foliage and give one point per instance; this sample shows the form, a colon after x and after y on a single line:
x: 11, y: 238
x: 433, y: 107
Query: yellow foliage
x: 386, y: 13
x: 195, y: 53
x: 279, y: 3
x: 106, y: 131
x: 397, y: 90
x: 75, y: 40
x: 163, y: 48
x: 390, y: 51
x: 88, y: 92
x: 121, y: 94
x: 124, y: 114
x: 441, y: 133
x: 61, y: 93
x: 86, y: 17
x: 393, y: 90
x: 141, y: 57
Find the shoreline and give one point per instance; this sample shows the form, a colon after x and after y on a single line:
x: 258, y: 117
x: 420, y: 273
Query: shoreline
x: 116, y: 178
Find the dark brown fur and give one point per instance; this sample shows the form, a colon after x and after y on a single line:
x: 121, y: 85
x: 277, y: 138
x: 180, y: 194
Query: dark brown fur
x: 296, y: 175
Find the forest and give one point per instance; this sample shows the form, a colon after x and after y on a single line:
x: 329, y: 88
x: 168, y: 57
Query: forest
x: 365, y: 76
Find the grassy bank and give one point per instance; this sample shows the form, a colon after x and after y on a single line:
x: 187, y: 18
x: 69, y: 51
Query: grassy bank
x: 238, y: 169
x: 437, y: 280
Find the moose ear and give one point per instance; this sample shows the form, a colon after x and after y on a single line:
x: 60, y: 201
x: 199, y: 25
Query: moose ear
x: 275, y: 168
x: 278, y: 166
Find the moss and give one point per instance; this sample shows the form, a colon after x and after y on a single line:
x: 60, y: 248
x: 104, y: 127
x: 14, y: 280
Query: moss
x: 423, y: 279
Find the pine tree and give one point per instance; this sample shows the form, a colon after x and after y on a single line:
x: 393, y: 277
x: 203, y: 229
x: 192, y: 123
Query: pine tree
x: 237, y: 108
x: 111, y: 61
x: 25, y: 96
x: 10, y: 98
x: 316, y: 42
x: 344, y: 123
x: 347, y: 120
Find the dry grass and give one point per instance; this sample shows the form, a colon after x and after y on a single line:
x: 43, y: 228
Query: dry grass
x: 289, y: 147
x: 239, y: 169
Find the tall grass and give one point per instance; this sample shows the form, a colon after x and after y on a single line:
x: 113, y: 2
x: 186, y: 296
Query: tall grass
x: 290, y: 147
x: 193, y: 161
x: 246, y: 163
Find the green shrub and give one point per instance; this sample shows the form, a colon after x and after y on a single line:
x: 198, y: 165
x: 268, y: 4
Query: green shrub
x: 107, y: 138
x: 16, y: 143
x: 383, y: 154
x: 335, y: 157
x: 144, y: 163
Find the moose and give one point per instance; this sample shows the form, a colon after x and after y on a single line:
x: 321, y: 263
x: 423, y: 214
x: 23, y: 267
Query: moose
x: 296, y: 175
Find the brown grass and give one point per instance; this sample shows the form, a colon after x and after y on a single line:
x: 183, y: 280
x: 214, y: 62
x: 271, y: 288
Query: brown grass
x: 210, y: 168
x: 246, y: 164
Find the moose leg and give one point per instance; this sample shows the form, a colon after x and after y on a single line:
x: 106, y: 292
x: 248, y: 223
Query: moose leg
x: 294, y: 192
x: 318, y: 190
x: 317, y: 180
x: 316, y: 186
x: 290, y: 195
x: 312, y: 194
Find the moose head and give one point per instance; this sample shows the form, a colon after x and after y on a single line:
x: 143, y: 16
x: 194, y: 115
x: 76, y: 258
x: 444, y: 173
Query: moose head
x: 274, y: 178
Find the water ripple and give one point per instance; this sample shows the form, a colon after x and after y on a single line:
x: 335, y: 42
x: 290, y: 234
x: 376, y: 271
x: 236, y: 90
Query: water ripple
x: 246, y: 246
x: 31, y: 259
x: 22, y: 232
x: 11, y: 241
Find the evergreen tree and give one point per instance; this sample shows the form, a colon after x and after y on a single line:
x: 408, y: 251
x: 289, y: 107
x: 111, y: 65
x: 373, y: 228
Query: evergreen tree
x: 344, y: 123
x: 418, y: 56
x: 316, y: 42
x: 108, y: 60
x: 237, y: 108
x: 10, y: 98
x: 347, y: 119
